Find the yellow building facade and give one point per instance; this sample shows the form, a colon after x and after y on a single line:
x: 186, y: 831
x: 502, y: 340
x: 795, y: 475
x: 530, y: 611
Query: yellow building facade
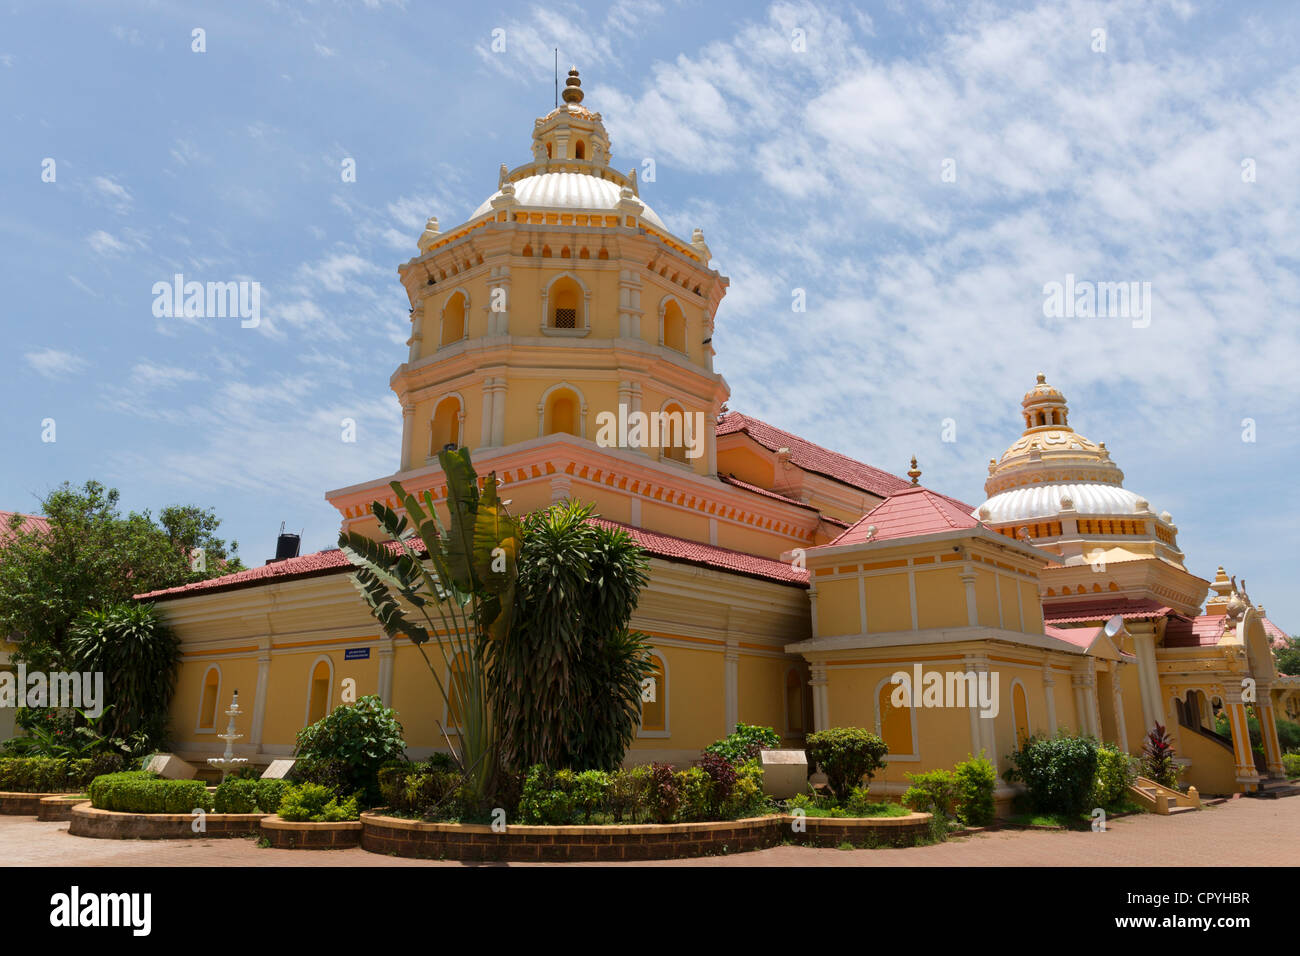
x: 564, y: 334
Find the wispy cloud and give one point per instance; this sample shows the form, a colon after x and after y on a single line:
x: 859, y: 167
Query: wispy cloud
x: 55, y: 363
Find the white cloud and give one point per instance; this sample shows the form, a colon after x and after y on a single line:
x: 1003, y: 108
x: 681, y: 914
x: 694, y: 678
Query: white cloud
x: 113, y: 193
x: 105, y: 244
x: 54, y: 363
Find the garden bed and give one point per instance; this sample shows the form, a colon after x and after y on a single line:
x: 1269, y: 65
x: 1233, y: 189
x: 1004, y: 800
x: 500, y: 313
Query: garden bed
x: 296, y: 835
x: 480, y: 843
x: 59, y: 807
x: 110, y: 825
x: 27, y: 804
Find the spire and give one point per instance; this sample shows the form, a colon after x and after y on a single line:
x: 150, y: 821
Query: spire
x: 572, y: 87
x: 914, y: 473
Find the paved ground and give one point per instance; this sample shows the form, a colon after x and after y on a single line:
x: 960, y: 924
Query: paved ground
x: 1241, y: 833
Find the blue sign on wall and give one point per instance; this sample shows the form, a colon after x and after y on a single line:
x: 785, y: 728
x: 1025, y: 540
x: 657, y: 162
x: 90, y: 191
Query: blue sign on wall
x: 357, y: 654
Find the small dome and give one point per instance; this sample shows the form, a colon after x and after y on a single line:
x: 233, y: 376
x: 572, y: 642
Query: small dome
x: 568, y: 192
x: 1042, y: 393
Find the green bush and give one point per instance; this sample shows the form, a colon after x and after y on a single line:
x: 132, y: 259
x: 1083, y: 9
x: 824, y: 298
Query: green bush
x: 1058, y: 772
x: 138, y: 791
x: 547, y: 797
x: 270, y: 793
x: 696, y: 790
x: 859, y: 803
x: 934, y: 791
x: 1291, y: 765
x: 746, y: 798
x: 34, y: 774
x: 846, y: 755
x: 1116, y: 772
x: 590, y: 792
x: 425, y: 790
x: 627, y: 793
x: 312, y: 803
x: 353, y: 741
x: 236, y: 796
x: 664, y: 793
x: 976, y: 779
x: 1288, y: 734
x: 745, y: 744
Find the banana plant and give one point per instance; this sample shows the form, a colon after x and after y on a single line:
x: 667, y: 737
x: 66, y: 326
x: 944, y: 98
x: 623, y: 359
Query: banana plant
x: 451, y: 586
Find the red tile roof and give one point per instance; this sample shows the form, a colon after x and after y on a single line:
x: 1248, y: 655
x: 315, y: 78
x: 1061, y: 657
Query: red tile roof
x: 1276, y: 636
x: 814, y: 458
x: 908, y: 513
x: 29, y: 523
x: 1072, y: 612
x: 659, y: 545
x: 711, y: 556
x: 746, y: 486
x: 1207, y: 630
x: 1082, y: 637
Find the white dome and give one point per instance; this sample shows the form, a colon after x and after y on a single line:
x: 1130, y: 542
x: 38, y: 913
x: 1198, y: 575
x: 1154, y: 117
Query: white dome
x: 569, y: 191
x: 1043, y: 500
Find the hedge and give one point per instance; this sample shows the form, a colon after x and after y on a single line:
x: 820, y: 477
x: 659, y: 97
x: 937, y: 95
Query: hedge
x: 236, y: 795
x: 139, y: 791
x: 54, y: 774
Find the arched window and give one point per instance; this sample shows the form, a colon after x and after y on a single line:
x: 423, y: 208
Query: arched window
x: 444, y: 426
x: 562, y: 413
x: 604, y: 254
x: 795, y: 697
x: 1020, y: 712
x: 565, y: 300
x: 318, y: 697
x: 453, y: 319
x: 548, y: 150
x: 674, y: 326
x: 896, y: 725
x: 579, y: 150
x: 673, y: 436
x: 654, y: 700
x: 209, y: 698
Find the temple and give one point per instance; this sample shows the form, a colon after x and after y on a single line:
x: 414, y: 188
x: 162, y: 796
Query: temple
x: 789, y: 583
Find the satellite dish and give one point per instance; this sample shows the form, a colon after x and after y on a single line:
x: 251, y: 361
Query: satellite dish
x: 1114, y: 625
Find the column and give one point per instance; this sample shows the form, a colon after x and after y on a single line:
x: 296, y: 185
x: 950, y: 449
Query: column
x: 821, y: 696
x: 1244, y: 758
x: 489, y: 397
x: 732, y: 667
x: 386, y: 654
x: 499, y: 302
x: 1117, y: 701
x: 1144, y: 648
x: 1268, y: 730
x: 408, y: 434
x: 259, y: 696
x: 983, y: 729
x: 417, y: 331
x: 498, y: 412
x: 972, y: 606
x: 1049, y: 693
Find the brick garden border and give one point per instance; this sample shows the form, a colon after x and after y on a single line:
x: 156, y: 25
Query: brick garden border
x: 479, y: 843
x: 58, y: 808
x: 27, y: 804
x: 295, y: 835
x: 87, y: 821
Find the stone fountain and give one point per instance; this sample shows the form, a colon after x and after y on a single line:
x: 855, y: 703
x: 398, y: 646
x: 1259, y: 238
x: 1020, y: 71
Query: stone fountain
x: 228, y: 761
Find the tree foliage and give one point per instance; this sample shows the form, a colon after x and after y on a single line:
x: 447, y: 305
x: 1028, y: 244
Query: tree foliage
x: 91, y: 556
x: 568, y: 675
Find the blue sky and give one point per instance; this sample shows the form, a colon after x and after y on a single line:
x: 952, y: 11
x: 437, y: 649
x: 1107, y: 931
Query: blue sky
x: 817, y: 169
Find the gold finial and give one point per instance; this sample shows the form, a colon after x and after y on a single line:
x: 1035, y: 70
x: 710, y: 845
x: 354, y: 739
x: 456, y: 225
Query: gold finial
x: 572, y: 87
x: 1042, y: 379
x: 914, y: 473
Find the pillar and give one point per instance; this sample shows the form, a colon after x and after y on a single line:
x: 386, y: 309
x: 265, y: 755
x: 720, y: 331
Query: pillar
x: 732, y: 696
x: 821, y: 696
x: 1268, y: 730
x: 1117, y: 701
x: 259, y: 695
x: 983, y: 729
x: 1049, y: 693
x: 386, y: 654
x: 408, y: 433
x: 1242, y: 755
x: 1144, y: 648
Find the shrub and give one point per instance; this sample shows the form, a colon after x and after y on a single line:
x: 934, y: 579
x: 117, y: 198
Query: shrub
x: 627, y: 793
x: 547, y: 796
x: 723, y: 774
x: 859, y: 803
x: 354, y: 740
x: 1291, y: 764
x: 1288, y: 734
x: 663, y: 793
x: 333, y: 774
x: 236, y: 796
x: 1116, y: 772
x: 421, y: 790
x: 746, y: 798
x: 745, y: 744
x: 976, y: 778
x: 1058, y: 772
x: 34, y: 774
x: 138, y: 791
x: 270, y: 793
x: 696, y: 790
x: 1158, y: 758
x: 846, y: 755
x: 590, y: 790
x: 935, y: 791
x: 312, y: 803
